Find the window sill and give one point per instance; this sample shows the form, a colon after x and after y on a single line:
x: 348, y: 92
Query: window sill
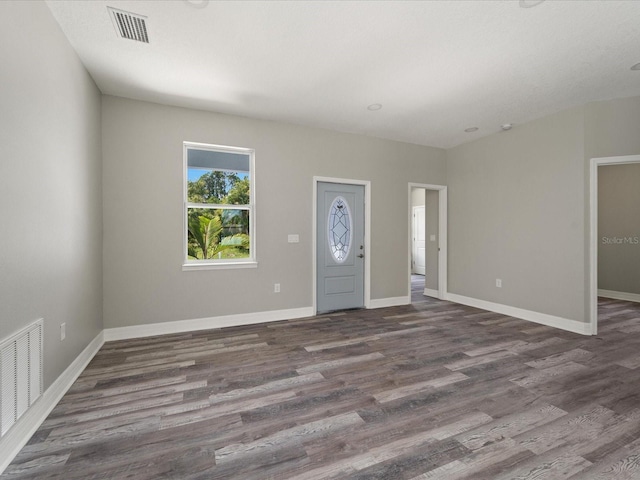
x: 189, y: 267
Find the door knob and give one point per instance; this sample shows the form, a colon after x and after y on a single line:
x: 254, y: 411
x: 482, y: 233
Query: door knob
x: 361, y: 256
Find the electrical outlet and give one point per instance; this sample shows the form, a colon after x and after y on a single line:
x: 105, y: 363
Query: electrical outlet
x: 276, y: 288
x: 63, y: 331
x: 498, y: 283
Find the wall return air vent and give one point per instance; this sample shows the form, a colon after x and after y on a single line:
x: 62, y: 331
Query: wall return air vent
x: 129, y: 25
x: 20, y: 373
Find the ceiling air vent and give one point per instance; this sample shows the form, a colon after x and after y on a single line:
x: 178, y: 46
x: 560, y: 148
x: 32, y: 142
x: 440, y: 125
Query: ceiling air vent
x: 129, y: 25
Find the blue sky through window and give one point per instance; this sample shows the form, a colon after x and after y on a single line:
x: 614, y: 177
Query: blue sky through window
x: 193, y: 174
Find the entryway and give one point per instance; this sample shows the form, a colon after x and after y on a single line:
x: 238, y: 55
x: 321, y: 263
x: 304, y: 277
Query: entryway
x: 615, y: 239
x: 427, y: 240
x: 341, y: 266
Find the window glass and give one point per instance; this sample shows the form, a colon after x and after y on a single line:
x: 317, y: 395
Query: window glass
x: 218, y: 204
x: 339, y: 229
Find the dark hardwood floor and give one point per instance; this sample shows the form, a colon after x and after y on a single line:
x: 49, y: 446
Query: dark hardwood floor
x: 433, y: 390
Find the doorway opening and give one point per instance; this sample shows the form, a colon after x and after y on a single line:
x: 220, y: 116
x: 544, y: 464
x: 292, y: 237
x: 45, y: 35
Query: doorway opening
x: 614, y: 239
x: 427, y: 241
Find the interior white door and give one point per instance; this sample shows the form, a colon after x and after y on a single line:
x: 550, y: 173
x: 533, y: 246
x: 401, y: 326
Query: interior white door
x: 340, y: 247
x: 419, y: 241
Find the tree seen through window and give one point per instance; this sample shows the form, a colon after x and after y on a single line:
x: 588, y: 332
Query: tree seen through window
x: 218, y: 206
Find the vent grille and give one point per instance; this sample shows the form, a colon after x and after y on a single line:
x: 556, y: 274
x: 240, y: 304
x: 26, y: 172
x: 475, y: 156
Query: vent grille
x: 129, y: 25
x: 20, y: 374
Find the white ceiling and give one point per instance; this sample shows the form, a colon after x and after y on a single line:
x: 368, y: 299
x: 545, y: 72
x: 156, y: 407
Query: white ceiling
x: 437, y: 67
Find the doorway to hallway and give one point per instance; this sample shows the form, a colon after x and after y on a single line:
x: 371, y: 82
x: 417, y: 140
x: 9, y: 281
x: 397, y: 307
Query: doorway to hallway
x: 427, y: 255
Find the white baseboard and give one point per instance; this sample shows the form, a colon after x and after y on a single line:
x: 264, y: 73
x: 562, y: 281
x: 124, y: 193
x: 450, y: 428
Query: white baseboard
x: 629, y: 297
x: 431, y: 293
x: 181, y: 326
x: 389, y: 302
x: 20, y: 433
x: 536, y: 317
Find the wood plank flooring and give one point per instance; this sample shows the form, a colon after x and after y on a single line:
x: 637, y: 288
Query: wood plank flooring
x: 434, y: 390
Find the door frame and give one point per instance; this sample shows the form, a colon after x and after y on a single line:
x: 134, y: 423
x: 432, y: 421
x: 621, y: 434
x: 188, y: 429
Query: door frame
x: 442, y: 237
x: 593, y: 233
x: 367, y: 235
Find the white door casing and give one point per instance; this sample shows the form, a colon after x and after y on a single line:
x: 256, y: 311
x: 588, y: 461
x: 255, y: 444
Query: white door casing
x: 442, y: 238
x: 593, y: 233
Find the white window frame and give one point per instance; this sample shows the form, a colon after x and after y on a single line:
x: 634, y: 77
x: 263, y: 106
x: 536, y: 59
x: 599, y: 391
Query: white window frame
x: 223, y: 263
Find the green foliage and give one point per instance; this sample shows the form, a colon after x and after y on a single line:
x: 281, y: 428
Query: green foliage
x: 206, y: 241
x: 216, y: 185
x: 223, y: 232
x: 197, y: 191
x: 213, y: 187
x: 239, y: 241
x: 239, y: 193
x: 205, y: 232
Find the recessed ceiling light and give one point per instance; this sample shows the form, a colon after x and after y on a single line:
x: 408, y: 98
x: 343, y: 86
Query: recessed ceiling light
x: 197, y: 3
x: 471, y: 129
x: 636, y: 67
x: 506, y: 126
x: 374, y: 106
x: 530, y: 3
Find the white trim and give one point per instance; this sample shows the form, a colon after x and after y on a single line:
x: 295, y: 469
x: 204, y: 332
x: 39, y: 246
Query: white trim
x: 442, y: 237
x: 593, y: 230
x: 190, y: 267
x: 429, y: 292
x: 20, y: 433
x: 219, y: 148
x: 536, y: 317
x: 443, y: 258
x: 629, y: 297
x: 389, y: 302
x: 181, y: 326
x: 367, y: 236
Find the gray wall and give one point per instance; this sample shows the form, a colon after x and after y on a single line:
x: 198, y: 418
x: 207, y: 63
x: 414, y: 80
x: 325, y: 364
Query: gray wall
x: 518, y: 202
x: 431, y: 215
x: 516, y: 212
x: 417, y: 197
x: 611, y: 130
x: 142, y: 182
x: 50, y: 186
x: 519, y: 207
x: 619, y: 222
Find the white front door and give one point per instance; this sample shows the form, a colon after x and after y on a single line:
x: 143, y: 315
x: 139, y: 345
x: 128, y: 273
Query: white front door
x: 419, y: 241
x: 340, y: 247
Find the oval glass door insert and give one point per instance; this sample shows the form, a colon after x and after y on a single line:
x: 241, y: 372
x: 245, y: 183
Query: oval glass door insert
x: 340, y: 229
